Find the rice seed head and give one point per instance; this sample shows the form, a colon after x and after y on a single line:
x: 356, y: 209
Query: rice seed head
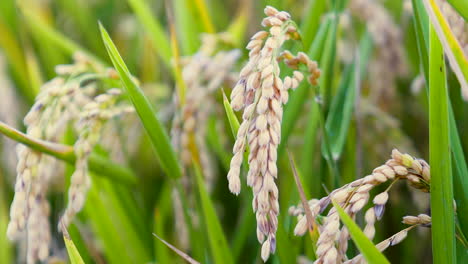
x: 261, y: 93
x: 59, y: 103
x: 354, y: 196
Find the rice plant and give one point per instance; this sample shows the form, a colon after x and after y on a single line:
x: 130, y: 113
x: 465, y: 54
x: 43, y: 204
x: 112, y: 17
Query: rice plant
x: 209, y: 131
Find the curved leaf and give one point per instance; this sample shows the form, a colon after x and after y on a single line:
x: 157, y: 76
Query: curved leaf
x: 151, y: 123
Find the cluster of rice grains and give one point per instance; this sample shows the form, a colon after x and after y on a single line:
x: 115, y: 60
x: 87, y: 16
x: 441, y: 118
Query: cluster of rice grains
x: 333, y: 241
x: 71, y: 98
x: 260, y: 92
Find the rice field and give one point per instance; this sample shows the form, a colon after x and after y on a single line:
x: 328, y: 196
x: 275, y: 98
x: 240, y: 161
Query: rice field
x: 209, y: 131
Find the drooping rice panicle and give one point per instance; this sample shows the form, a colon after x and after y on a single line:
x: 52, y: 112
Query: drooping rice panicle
x: 60, y: 102
x: 95, y: 113
x: 261, y: 92
x: 332, y: 243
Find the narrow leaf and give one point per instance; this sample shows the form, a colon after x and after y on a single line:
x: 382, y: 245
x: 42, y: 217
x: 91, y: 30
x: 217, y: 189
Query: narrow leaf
x: 232, y: 118
x: 443, y: 221
x: 300, y: 189
x: 218, y: 244
x: 366, y: 247
x: 312, y: 19
x: 342, y: 107
x: 178, y: 251
x: 151, y: 123
x: 73, y: 254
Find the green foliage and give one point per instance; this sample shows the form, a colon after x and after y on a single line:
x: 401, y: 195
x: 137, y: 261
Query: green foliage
x: 148, y: 117
x: 73, y: 254
x: 443, y: 221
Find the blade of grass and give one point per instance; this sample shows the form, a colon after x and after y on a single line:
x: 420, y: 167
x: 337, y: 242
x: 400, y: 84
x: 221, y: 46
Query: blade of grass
x: 97, y: 163
x: 331, y: 163
x: 218, y: 243
x: 131, y: 233
x: 443, y: 222
x: 151, y: 123
x: 178, y: 251
x: 214, y: 141
x: 458, y: 60
x: 300, y: 188
x: 342, y: 107
x: 460, y: 170
x: 327, y: 63
x: 73, y: 254
x: 161, y: 217
x: 233, y: 122
x: 156, y: 32
x: 113, y: 245
x: 311, y: 20
x: 367, y: 248
x: 187, y: 25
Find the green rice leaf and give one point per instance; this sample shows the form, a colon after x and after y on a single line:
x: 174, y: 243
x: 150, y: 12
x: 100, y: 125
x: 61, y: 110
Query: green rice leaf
x: 367, y: 248
x: 342, y: 107
x: 311, y: 20
x: 232, y: 118
x: 188, y: 26
x: 460, y: 171
x: 218, y: 243
x: 442, y: 211
x: 73, y: 254
x: 151, y: 123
